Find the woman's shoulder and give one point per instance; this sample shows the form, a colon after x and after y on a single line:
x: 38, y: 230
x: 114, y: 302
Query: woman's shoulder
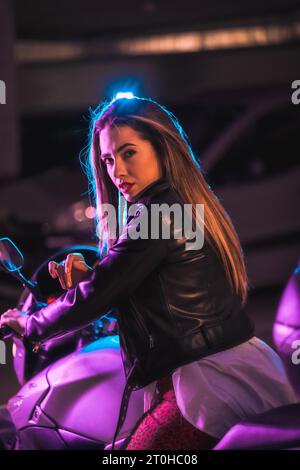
x: 167, y: 195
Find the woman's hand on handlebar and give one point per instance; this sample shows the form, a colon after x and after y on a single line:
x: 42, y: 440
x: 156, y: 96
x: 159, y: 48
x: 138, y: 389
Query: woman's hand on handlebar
x: 71, y: 271
x: 14, y: 319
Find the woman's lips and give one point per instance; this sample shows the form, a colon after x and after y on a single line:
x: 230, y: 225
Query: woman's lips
x: 126, y: 187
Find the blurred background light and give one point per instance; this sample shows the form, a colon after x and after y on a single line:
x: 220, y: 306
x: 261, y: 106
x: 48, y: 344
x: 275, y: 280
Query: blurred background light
x: 90, y: 212
x: 254, y: 35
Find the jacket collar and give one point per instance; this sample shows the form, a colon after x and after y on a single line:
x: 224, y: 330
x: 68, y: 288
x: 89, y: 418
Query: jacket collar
x: 152, y: 189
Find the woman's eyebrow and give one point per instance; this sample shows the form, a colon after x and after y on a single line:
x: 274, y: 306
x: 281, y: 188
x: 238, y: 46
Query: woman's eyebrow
x: 118, y: 149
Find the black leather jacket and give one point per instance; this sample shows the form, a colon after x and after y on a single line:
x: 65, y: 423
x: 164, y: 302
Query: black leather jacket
x: 174, y: 305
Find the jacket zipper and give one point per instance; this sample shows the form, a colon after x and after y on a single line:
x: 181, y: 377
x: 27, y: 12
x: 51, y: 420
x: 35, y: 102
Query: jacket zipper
x: 39, y: 344
x: 142, y: 325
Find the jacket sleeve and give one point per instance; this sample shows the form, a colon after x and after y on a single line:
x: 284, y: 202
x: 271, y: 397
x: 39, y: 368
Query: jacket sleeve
x: 118, y: 274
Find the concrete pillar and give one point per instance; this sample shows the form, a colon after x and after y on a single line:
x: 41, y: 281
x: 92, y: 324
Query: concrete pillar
x: 10, y: 164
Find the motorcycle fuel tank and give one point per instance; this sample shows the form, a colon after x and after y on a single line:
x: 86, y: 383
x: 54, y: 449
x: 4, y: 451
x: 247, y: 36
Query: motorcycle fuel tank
x: 75, y: 402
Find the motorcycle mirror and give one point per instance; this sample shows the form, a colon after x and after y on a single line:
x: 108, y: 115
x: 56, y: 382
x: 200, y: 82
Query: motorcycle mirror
x: 11, y: 258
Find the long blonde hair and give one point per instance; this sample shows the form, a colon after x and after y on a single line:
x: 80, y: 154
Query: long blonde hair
x: 180, y: 167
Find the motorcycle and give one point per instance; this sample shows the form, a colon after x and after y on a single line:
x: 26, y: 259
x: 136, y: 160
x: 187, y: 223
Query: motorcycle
x: 71, y: 384
x: 71, y: 388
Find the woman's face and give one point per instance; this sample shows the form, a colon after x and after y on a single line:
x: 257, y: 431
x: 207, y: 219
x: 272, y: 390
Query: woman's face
x: 130, y: 161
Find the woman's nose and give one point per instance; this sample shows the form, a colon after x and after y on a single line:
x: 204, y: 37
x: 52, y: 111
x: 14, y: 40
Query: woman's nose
x: 119, y: 168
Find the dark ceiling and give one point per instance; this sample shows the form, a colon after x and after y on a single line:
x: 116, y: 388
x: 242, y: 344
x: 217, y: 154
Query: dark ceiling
x: 71, y: 19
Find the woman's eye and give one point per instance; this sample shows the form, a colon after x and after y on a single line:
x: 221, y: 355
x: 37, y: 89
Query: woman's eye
x: 107, y: 161
x: 129, y: 153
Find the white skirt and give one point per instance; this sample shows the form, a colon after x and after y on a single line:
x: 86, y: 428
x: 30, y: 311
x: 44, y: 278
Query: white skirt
x: 219, y: 390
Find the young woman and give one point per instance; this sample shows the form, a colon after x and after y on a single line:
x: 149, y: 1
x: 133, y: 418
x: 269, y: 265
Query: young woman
x: 184, y: 333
